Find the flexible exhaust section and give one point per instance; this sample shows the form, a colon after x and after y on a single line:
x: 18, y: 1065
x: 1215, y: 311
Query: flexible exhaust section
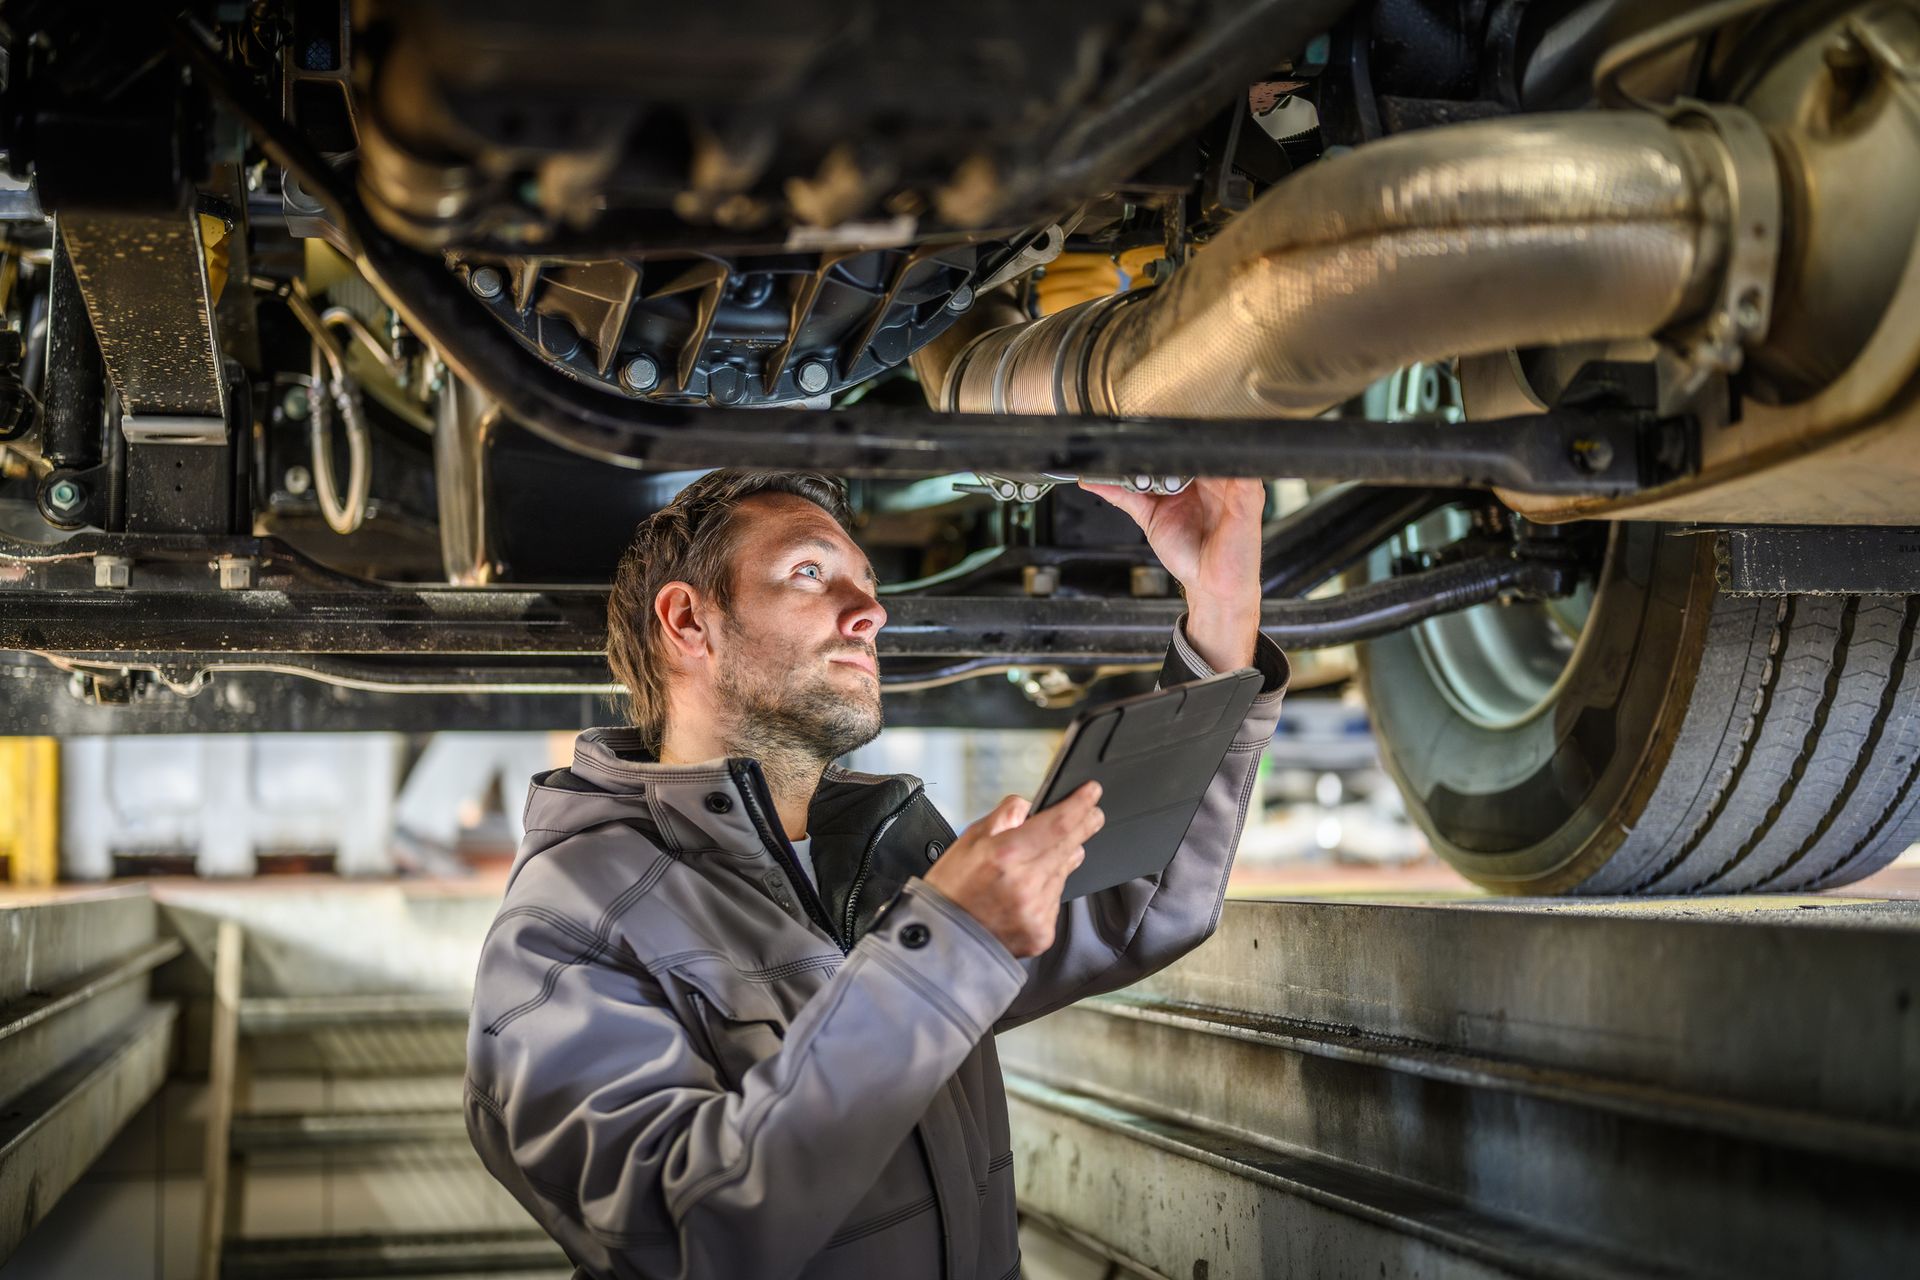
x: 1453, y: 241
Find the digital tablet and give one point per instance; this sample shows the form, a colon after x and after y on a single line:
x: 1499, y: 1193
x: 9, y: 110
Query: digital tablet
x: 1153, y: 756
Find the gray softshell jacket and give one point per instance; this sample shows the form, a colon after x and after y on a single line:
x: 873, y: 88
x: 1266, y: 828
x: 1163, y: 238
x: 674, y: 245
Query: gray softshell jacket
x: 686, y: 1062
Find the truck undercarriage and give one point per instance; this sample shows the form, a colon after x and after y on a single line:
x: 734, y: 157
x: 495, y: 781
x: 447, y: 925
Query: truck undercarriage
x: 348, y: 344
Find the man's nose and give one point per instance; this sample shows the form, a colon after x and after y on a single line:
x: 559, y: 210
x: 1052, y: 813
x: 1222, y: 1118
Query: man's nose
x: 864, y: 618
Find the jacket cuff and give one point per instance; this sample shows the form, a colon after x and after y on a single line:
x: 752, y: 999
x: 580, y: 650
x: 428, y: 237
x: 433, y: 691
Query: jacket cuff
x: 1184, y: 664
x: 936, y: 947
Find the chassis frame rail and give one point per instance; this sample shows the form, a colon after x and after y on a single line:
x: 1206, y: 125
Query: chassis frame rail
x: 168, y: 613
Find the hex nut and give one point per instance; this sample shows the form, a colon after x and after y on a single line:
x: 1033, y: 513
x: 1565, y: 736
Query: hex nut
x: 486, y: 282
x: 298, y: 480
x: 296, y: 403
x: 64, y: 495
x: 813, y: 377
x: 1040, y: 579
x: 962, y: 299
x: 112, y: 571
x: 640, y: 375
x: 236, y: 573
x: 1592, y: 456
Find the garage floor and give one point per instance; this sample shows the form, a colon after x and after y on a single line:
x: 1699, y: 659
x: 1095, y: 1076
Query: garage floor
x: 1447, y: 1083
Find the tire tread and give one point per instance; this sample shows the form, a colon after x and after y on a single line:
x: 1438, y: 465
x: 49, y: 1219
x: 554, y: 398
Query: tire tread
x: 1820, y: 787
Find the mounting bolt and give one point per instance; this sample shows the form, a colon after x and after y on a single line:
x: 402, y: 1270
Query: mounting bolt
x: 1040, y: 579
x: 813, y: 377
x: 962, y: 299
x: 1746, y: 312
x: 726, y: 385
x: 298, y: 480
x: 486, y: 282
x: 296, y: 403
x: 640, y: 375
x: 112, y: 571
x: 1149, y: 580
x: 236, y: 572
x: 1592, y: 456
x: 64, y: 496
x: 558, y: 338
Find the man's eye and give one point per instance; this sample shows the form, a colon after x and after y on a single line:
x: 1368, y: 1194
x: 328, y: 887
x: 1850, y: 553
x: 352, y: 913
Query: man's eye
x: 812, y: 569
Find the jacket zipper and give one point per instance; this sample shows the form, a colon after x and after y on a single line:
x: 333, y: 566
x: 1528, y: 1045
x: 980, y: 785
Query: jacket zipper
x: 753, y: 788
x: 866, y: 863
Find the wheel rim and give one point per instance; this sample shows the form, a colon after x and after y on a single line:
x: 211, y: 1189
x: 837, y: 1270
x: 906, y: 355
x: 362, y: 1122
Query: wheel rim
x: 1498, y: 664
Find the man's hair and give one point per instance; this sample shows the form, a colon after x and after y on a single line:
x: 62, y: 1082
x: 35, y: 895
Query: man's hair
x: 690, y: 540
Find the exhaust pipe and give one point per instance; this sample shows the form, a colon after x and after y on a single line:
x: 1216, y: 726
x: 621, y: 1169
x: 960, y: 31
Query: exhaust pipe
x: 1478, y: 237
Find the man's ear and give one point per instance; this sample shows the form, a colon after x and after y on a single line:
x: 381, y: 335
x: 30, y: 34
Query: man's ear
x: 683, y: 614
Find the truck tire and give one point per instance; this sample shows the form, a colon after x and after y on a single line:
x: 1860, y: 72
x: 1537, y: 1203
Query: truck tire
x: 1694, y: 742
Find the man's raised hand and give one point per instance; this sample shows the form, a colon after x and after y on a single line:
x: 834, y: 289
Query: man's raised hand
x: 1208, y: 537
x: 1007, y: 870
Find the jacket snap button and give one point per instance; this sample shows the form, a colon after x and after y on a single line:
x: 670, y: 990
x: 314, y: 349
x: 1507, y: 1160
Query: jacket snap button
x: 719, y: 801
x: 914, y: 936
x: 934, y: 849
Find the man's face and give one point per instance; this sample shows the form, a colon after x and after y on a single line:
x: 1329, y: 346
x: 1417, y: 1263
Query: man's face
x: 795, y: 662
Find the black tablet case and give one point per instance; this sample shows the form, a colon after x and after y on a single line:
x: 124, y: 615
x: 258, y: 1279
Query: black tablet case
x: 1153, y: 756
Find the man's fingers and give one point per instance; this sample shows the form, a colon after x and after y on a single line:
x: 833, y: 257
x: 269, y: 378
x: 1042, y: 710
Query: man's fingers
x: 1138, y: 505
x: 1008, y: 814
x: 1071, y: 858
x: 1056, y: 820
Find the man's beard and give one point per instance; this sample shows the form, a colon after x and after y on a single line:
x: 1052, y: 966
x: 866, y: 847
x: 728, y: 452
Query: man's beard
x: 797, y: 711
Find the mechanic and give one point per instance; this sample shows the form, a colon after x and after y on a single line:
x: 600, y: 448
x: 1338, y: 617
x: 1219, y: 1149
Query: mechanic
x: 735, y: 1017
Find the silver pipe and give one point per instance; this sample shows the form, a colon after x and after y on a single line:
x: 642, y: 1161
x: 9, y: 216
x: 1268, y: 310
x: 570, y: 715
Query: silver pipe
x: 465, y: 417
x: 1457, y: 241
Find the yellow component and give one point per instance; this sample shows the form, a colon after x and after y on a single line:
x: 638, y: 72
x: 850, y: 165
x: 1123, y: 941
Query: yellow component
x: 1074, y: 278
x: 325, y: 267
x: 30, y: 809
x: 1134, y: 263
x: 213, y: 243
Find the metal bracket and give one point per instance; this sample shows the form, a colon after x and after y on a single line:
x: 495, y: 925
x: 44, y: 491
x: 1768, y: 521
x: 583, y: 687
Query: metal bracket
x: 1743, y: 309
x: 144, y: 278
x: 1038, y: 252
x: 1031, y: 488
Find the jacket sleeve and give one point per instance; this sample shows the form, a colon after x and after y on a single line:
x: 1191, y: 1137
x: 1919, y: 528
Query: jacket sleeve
x: 1108, y: 940
x: 599, y: 1102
